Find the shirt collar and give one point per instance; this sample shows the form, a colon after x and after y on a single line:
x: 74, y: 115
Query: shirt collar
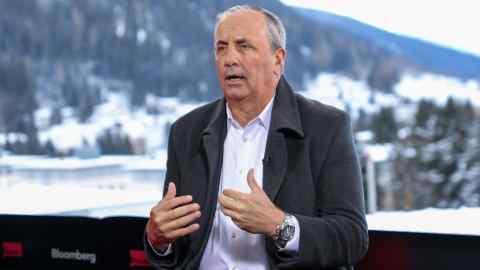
x: 264, y: 117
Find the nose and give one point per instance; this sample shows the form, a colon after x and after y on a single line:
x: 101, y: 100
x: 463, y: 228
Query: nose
x: 231, y: 56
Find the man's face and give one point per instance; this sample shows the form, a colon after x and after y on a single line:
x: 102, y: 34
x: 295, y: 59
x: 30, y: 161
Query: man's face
x: 247, y: 68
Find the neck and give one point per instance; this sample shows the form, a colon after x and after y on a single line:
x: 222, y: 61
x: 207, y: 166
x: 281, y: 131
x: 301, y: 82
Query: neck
x: 245, y: 111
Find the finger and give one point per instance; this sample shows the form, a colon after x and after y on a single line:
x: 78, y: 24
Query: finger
x: 172, y: 191
x: 181, y: 211
x: 181, y: 222
x: 176, y: 201
x: 227, y: 202
x: 183, y: 231
x: 235, y: 195
x: 232, y: 214
x: 252, y: 183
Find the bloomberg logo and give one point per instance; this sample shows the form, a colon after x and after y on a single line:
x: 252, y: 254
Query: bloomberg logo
x: 138, y: 259
x: 73, y: 255
x: 12, y: 250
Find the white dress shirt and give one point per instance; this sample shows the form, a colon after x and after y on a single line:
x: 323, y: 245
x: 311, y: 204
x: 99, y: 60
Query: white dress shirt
x: 228, y: 246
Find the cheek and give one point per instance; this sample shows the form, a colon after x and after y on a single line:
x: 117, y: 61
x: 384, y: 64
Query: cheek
x: 265, y: 69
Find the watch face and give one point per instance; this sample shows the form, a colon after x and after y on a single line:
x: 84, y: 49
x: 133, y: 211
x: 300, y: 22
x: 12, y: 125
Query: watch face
x: 287, y: 232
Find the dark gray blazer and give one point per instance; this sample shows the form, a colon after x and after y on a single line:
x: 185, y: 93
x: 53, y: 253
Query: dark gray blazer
x: 310, y: 170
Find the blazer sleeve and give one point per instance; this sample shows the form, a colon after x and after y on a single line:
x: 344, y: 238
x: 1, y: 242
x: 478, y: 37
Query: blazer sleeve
x: 338, y: 235
x: 172, y: 260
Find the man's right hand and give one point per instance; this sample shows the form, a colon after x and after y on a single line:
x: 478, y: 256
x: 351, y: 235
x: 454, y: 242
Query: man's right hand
x: 171, y: 218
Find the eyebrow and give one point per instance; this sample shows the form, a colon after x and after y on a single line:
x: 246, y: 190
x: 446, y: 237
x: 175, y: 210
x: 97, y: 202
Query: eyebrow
x: 237, y: 41
x: 220, y: 42
x: 241, y: 40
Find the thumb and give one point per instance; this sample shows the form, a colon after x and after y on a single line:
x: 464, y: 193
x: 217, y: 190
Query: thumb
x: 172, y: 191
x: 252, y: 183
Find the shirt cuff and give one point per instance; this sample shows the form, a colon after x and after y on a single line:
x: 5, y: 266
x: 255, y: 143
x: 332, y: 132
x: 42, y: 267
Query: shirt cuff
x: 161, y: 253
x: 292, y: 246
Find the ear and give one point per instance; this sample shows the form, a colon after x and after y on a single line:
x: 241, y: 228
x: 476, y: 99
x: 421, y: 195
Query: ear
x: 279, y: 61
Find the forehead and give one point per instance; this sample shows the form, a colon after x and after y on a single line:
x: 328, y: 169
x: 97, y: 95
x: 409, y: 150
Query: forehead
x: 241, y: 24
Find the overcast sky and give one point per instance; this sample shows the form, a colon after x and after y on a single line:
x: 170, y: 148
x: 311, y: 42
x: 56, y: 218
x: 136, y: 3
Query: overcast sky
x: 449, y: 23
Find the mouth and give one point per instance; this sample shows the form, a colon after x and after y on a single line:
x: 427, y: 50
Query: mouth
x: 234, y: 77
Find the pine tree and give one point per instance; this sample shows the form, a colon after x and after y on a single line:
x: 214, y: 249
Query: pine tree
x: 445, y: 168
x: 113, y: 141
x: 56, y: 117
x: 385, y: 126
x: 425, y: 111
x: 17, y: 97
x: 363, y: 121
x: 50, y: 150
x: 86, y: 107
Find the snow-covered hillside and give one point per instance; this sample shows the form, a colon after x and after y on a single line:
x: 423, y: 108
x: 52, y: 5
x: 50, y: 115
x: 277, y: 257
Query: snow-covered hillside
x: 347, y: 94
x: 116, y: 112
x: 333, y: 89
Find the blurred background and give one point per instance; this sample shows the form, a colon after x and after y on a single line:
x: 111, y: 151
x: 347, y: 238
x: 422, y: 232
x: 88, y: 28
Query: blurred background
x: 89, y: 89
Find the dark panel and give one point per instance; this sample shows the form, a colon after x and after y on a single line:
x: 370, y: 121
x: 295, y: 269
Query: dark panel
x: 403, y: 250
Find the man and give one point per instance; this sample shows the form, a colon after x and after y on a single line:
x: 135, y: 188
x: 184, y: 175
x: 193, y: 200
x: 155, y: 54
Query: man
x: 264, y: 178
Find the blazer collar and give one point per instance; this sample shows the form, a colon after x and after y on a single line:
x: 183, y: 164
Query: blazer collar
x: 218, y: 119
x: 285, y: 114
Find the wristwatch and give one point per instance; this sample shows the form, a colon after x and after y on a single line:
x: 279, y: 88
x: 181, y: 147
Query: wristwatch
x: 284, y: 232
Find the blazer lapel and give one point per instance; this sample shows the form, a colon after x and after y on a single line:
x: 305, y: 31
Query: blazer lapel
x: 211, y: 144
x: 275, y: 165
x: 285, y: 122
x: 212, y: 140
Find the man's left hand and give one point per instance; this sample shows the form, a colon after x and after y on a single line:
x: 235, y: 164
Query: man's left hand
x: 252, y: 212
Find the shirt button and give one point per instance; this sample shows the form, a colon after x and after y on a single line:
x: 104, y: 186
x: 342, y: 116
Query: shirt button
x: 234, y: 235
x: 245, y: 139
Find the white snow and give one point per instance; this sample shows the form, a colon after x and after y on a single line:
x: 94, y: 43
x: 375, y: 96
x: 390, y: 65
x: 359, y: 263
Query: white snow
x: 463, y: 221
x: 340, y: 91
x: 115, y: 111
x: 36, y: 185
x: 365, y: 136
x: 72, y: 163
x: 120, y: 28
x: 165, y: 43
x: 378, y: 152
x: 438, y: 88
x: 35, y: 199
x: 333, y: 89
x: 141, y: 36
x: 12, y: 137
x: 42, y: 117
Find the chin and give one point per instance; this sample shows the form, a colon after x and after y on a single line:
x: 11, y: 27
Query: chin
x: 235, y: 93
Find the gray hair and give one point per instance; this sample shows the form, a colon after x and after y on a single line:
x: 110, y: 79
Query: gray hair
x: 275, y: 30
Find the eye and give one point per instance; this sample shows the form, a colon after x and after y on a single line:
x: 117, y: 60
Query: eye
x: 220, y: 48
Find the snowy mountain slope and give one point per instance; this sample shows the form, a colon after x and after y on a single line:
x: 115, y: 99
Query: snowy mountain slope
x: 115, y: 111
x: 336, y: 90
